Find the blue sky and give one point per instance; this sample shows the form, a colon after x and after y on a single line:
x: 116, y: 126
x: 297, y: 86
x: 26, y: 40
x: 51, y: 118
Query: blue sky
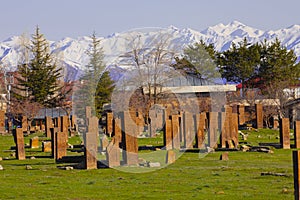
x: 74, y: 18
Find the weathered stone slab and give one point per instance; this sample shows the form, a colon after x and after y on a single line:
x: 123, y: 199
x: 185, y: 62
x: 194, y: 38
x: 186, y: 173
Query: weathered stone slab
x: 113, y: 153
x: 93, y: 124
x: 48, y: 124
x: 168, y: 135
x: 259, y: 115
x: 200, y: 127
x: 234, y: 126
x: 53, y: 141
x: 61, y: 145
x: 109, y: 123
x: 285, y: 133
x: 117, y: 132
x: 213, y: 129
x: 104, y: 143
x: 19, y: 140
x: 64, y: 126
x: 2, y: 121
x: 46, y: 146
x: 189, y: 132
x: 171, y: 157
x: 129, y: 139
x: 297, y: 134
x: 91, y: 150
x: 175, y: 131
x: 241, y: 114
x: 34, y: 142
x: 296, y: 170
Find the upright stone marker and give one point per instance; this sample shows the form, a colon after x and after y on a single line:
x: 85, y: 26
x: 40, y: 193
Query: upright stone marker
x: 24, y: 123
x: 48, y: 125
x: 109, y: 123
x: 53, y: 141
x: 2, y: 121
x: 168, y: 135
x: 46, y: 146
x: 297, y: 134
x: 200, y: 126
x: 117, y: 130
x: 213, y: 129
x: 64, y: 124
x: 20, y: 148
x: 104, y: 142
x: 91, y: 150
x: 259, y: 115
x: 234, y: 134
x: 34, y: 142
x: 175, y: 131
x: 129, y: 139
x: 171, y: 157
x: 113, y: 154
x: 189, y: 132
x: 241, y: 114
x: 285, y: 133
x: 61, y: 145
x: 296, y: 169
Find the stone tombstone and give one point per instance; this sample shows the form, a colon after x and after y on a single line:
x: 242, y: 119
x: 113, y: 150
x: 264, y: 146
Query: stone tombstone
x: 234, y: 126
x: 91, y: 150
x: 297, y: 134
x: 104, y: 142
x: 259, y: 115
x: 58, y: 119
x: 168, y: 140
x: 53, y: 131
x: 189, y: 132
x: 153, y: 124
x: 213, y: 129
x: 225, y: 127
x: 113, y: 154
x: 129, y: 139
x: 241, y: 114
x: 200, y: 127
x: 175, y: 131
x: 93, y: 124
x: 285, y: 133
x: 73, y: 122
x: 171, y: 157
x: 64, y: 125
x: 109, y: 123
x: 34, y: 142
x: 117, y: 130
x: 46, y: 146
x: 224, y: 156
x: 48, y: 125
x: 296, y: 170
x: 24, y: 123
x: 61, y: 145
x: 19, y: 140
x: 2, y: 121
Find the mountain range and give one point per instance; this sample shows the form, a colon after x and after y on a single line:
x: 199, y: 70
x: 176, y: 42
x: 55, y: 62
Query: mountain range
x: 72, y: 52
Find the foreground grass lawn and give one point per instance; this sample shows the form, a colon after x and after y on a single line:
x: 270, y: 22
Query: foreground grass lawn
x: 190, y: 177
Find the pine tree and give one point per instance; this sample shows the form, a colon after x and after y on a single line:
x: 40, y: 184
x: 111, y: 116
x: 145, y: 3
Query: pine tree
x: 239, y: 63
x: 38, y: 78
x: 97, y: 85
x: 198, y: 61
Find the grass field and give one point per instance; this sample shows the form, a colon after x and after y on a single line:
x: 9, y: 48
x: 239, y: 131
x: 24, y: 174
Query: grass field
x: 190, y: 177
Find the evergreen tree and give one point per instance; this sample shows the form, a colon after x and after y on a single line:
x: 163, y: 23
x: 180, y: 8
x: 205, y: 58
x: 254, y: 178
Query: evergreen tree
x: 198, y: 61
x: 97, y: 85
x: 239, y: 63
x: 278, y: 71
x: 38, y: 78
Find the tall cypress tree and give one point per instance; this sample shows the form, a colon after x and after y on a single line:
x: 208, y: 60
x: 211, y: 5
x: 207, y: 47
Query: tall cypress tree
x: 38, y: 78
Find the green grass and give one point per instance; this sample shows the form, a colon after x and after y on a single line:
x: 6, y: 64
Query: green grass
x: 190, y: 177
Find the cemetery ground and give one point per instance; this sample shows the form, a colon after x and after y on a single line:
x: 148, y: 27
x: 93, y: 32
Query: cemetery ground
x: 190, y: 177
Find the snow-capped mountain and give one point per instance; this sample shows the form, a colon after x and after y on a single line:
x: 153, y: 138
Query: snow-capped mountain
x: 72, y: 52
